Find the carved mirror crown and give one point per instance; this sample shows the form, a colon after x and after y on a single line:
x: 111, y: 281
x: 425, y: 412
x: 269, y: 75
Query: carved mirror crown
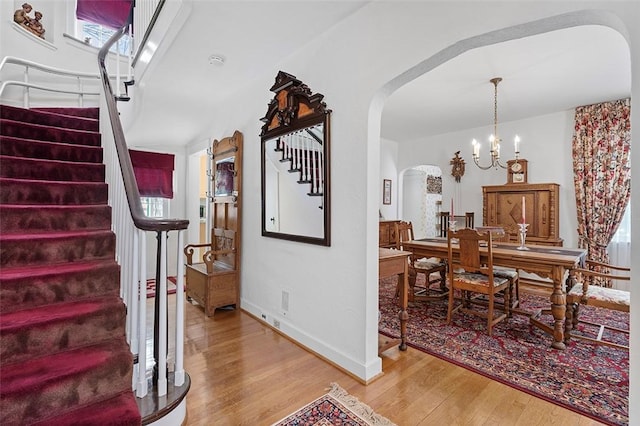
x: 295, y: 164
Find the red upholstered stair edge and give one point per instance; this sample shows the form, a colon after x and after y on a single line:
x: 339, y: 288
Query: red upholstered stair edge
x: 45, y: 133
x: 64, y: 358
x: 23, y: 219
x: 29, y: 168
x: 60, y: 327
x: 50, y: 118
x: 120, y: 410
x: 31, y: 286
x: 30, y: 148
x: 60, y: 383
x: 29, y: 191
x: 72, y: 112
x: 54, y: 248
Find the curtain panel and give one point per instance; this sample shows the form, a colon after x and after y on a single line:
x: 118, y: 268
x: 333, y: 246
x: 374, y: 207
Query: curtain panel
x: 602, y: 173
x: 154, y: 173
x: 109, y: 13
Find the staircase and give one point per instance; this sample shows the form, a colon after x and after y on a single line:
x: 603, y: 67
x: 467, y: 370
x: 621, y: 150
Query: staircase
x: 64, y: 358
x: 303, y: 157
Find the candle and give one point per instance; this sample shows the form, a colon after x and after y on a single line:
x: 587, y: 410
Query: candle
x: 452, y: 209
x: 516, y: 142
x: 523, y: 210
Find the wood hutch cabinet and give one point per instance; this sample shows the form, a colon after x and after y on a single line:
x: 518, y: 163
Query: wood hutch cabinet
x: 502, y: 206
x: 387, y: 231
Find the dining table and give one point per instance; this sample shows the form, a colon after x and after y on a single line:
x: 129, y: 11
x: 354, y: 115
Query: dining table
x: 552, y: 262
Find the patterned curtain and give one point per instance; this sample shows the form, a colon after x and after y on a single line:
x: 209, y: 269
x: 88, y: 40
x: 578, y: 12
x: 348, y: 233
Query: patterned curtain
x: 602, y: 173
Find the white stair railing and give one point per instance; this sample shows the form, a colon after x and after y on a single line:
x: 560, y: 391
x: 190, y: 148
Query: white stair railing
x: 80, y: 84
x: 305, y: 154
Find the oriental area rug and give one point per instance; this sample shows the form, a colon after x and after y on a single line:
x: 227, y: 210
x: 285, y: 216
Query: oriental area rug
x: 590, y: 379
x: 335, y: 408
x: 151, y: 286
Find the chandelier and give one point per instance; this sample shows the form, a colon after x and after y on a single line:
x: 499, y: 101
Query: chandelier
x: 494, y: 139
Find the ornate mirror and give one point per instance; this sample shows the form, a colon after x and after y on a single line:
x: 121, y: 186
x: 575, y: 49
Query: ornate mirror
x: 295, y: 164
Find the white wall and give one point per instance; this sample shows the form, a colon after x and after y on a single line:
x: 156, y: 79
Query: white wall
x: 389, y: 170
x: 333, y: 291
x: 546, y: 144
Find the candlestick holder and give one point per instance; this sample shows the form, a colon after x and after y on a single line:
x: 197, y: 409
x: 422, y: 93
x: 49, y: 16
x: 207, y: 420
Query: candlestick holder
x: 523, y: 235
x: 452, y: 227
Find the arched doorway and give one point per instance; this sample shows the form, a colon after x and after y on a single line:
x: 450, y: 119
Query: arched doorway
x: 422, y: 199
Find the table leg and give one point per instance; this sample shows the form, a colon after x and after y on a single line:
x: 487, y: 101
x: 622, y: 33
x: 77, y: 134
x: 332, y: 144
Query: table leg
x: 558, y: 308
x: 412, y: 282
x: 403, y: 314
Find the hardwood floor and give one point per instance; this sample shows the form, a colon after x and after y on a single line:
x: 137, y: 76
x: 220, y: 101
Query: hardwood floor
x: 245, y: 373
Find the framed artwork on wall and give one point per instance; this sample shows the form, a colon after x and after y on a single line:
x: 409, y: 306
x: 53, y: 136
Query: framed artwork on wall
x: 386, y: 191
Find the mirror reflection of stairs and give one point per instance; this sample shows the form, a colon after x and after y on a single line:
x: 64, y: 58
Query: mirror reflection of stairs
x: 303, y: 151
x: 65, y: 358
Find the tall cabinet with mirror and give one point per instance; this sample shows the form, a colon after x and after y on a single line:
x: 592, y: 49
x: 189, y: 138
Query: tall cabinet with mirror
x: 214, y: 281
x: 295, y: 164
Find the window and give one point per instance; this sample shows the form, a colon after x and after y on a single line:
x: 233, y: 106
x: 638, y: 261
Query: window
x: 620, y: 247
x: 97, y: 35
x: 155, y: 206
x: 623, y: 234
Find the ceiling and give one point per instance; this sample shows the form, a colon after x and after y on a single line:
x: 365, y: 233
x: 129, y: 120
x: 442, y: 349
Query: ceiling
x: 542, y: 74
x: 555, y: 71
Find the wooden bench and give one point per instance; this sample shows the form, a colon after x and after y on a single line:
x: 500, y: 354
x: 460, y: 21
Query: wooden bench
x: 213, y: 281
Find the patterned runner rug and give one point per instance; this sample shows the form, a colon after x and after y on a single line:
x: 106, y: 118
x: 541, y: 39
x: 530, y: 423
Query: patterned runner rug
x: 151, y: 286
x: 590, y: 379
x: 335, y: 408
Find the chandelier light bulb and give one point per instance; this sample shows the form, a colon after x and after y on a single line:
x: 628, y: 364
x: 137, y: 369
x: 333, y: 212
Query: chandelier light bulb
x: 494, y: 139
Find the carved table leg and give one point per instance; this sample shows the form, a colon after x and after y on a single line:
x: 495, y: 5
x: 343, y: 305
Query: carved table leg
x: 558, y: 308
x: 412, y: 282
x: 568, y: 322
x: 403, y: 314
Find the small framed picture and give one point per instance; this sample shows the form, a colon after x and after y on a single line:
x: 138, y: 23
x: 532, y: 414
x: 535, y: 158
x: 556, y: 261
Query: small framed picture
x: 386, y: 191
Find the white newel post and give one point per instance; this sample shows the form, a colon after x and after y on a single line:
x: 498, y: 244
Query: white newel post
x: 179, y: 369
x: 141, y: 388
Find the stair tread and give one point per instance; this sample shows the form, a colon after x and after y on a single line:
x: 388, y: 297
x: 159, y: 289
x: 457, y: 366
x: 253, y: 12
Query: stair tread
x: 52, y: 206
x: 38, y: 141
x: 62, y: 163
x: 122, y: 407
x: 46, y: 269
x: 54, y: 235
x: 44, y: 169
x: 87, y: 112
x: 8, y: 121
x: 55, y: 119
x: 16, y: 320
x: 53, y: 182
x: 35, y: 373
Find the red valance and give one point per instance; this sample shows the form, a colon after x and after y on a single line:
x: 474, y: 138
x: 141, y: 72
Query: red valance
x: 154, y: 173
x: 109, y: 13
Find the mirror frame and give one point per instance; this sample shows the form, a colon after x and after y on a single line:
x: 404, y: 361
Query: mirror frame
x: 222, y: 150
x: 294, y: 107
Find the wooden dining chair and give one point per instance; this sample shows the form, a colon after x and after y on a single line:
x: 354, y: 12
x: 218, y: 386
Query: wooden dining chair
x: 468, y: 220
x: 469, y: 272
x: 426, y: 266
x: 586, y: 291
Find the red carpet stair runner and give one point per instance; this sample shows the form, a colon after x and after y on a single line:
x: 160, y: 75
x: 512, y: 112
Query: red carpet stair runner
x: 64, y: 358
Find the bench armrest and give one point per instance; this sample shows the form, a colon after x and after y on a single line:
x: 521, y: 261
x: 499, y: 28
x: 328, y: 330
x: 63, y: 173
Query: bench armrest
x: 189, y: 249
x: 209, y: 257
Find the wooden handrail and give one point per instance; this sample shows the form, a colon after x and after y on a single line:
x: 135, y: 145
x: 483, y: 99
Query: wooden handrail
x: 140, y: 220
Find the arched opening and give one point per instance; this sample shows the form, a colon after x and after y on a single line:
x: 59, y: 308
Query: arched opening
x: 543, y: 26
